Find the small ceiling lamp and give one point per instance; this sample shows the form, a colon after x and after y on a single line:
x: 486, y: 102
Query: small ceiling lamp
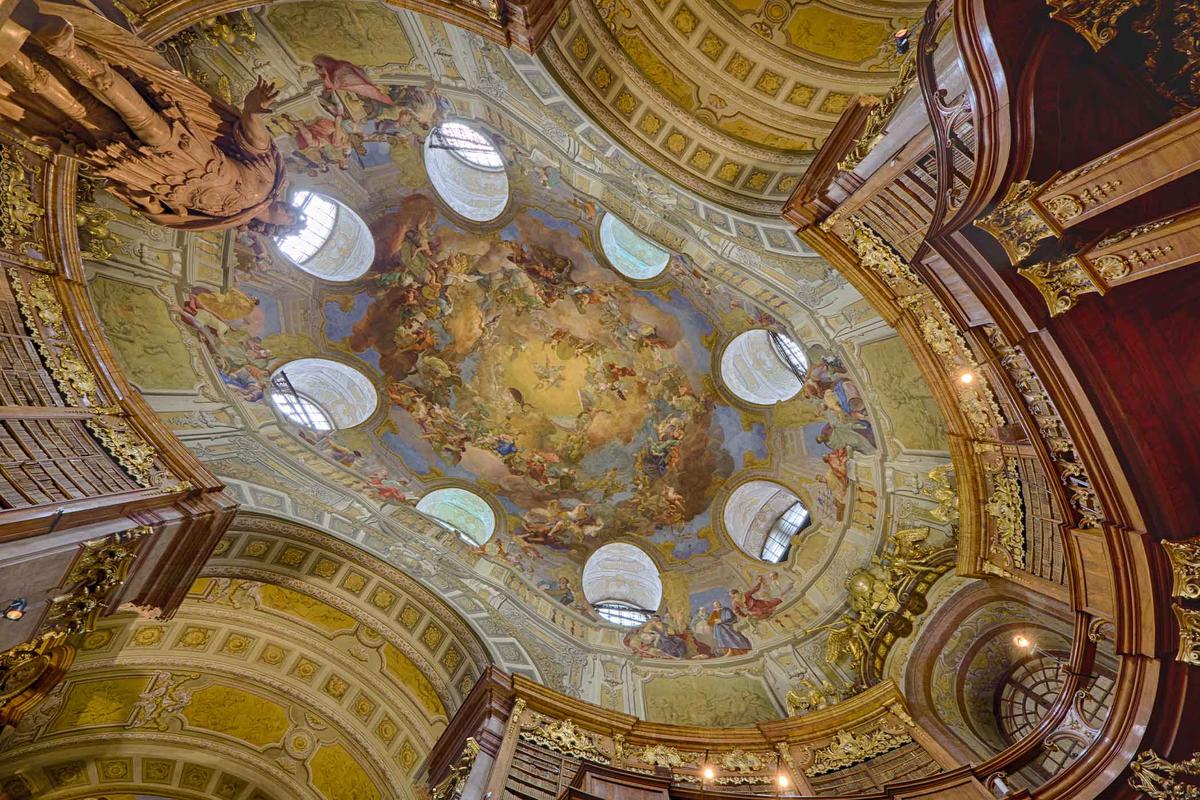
x: 16, y: 609
x: 966, y: 377
x: 1022, y: 642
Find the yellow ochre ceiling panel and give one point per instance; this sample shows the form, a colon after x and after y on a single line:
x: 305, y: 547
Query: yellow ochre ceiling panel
x: 733, y: 97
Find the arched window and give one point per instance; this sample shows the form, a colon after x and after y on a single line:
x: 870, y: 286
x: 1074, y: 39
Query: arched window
x: 762, y: 518
x: 630, y: 253
x: 1027, y: 694
x: 322, y: 395
x: 764, y: 367
x: 471, y: 517
x: 467, y: 171
x: 334, y: 244
x: 622, y: 583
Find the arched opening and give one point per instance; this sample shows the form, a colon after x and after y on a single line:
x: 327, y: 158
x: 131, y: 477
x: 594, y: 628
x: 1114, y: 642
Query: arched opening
x: 622, y: 583
x: 467, y: 171
x: 471, y: 517
x: 764, y: 367
x: 762, y: 518
x: 334, y: 244
x: 630, y: 253
x: 322, y: 395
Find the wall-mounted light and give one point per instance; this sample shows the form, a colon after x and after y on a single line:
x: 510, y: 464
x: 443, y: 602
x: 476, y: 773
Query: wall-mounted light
x: 783, y: 781
x: 966, y: 377
x: 16, y: 609
x: 708, y: 772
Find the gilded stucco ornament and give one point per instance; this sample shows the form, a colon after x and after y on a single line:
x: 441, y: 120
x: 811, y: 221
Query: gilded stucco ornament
x: 811, y: 696
x: 1066, y: 207
x: 563, y: 736
x: 1094, y: 20
x: 1189, y: 635
x: 1185, y: 567
x: 451, y: 787
x: 1016, y: 223
x: 1061, y: 282
x: 882, y: 112
x: 1155, y: 777
x: 20, y: 214
x: 98, y: 571
x: 98, y: 243
x: 848, y: 749
x: 1006, y: 507
x: 661, y: 755
x: 1051, y: 427
x: 741, y: 761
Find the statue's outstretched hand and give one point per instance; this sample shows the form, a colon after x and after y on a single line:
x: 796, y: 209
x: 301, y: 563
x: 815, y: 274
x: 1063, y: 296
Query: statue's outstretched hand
x: 260, y: 99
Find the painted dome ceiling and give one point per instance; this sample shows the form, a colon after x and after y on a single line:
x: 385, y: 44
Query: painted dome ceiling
x: 515, y: 360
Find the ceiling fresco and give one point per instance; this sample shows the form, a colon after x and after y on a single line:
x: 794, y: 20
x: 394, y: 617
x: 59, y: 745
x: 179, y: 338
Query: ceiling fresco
x: 730, y: 98
x: 511, y: 358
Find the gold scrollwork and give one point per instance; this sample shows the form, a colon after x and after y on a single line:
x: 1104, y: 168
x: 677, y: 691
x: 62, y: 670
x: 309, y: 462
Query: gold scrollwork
x: 848, y: 749
x: 1007, y: 508
x: 1189, y: 635
x: 1155, y: 777
x: 661, y: 755
x: 741, y: 761
x: 563, y: 736
x: 97, y: 572
x: 1051, y: 427
x: 45, y: 319
x: 98, y: 243
x: 1094, y: 20
x: 19, y: 212
x: 1061, y: 282
x: 882, y: 113
x: 1185, y: 567
x: 1016, y: 223
x: 451, y: 787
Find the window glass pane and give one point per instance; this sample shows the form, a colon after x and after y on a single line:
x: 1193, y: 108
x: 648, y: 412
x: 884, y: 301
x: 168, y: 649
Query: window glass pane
x: 468, y: 144
x: 319, y: 217
x: 790, y: 353
x: 620, y: 613
x: 301, y: 410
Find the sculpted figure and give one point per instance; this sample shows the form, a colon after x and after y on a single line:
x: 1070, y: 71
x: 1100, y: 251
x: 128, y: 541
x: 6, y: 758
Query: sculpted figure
x: 75, y: 80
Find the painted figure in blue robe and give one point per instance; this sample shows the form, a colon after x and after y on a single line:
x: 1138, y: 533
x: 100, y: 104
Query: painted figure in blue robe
x: 722, y: 620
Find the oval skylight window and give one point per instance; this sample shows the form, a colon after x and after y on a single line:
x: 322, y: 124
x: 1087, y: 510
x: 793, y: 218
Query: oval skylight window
x: 762, y: 518
x: 630, y: 253
x: 322, y: 394
x: 764, y: 367
x: 622, y: 583
x: 334, y: 244
x: 464, y: 511
x: 467, y: 171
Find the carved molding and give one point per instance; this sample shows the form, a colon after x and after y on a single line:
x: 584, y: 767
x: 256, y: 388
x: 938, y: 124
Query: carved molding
x: 1061, y: 282
x: 563, y: 736
x: 1155, y: 777
x: 881, y: 113
x: 1185, y: 567
x: 848, y: 749
x: 1006, y: 507
x: 1094, y: 20
x: 1189, y: 635
x: 1016, y: 223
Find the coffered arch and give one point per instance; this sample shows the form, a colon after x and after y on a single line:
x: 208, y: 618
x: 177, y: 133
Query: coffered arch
x: 298, y: 666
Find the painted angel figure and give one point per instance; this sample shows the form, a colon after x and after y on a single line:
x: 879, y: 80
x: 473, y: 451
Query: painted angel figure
x: 81, y: 83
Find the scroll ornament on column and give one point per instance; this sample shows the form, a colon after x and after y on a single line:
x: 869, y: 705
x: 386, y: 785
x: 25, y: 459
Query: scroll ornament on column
x: 78, y: 82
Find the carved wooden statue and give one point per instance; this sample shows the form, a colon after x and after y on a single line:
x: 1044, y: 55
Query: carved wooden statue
x: 73, y: 79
